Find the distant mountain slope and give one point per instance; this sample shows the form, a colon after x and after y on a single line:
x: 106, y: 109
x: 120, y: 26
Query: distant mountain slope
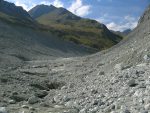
x: 73, y: 28
x: 123, y: 33
x: 127, y: 31
x: 14, y: 12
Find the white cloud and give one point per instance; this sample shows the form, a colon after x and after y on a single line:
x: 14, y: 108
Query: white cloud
x: 118, y: 23
x: 104, y: 19
x: 79, y: 9
x: 131, y: 23
x: 21, y: 4
x: 27, y: 5
x: 45, y: 2
x: 129, y: 18
x: 58, y: 3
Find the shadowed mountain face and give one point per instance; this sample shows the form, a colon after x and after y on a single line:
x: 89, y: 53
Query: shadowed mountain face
x: 11, y: 10
x: 74, y: 28
x: 15, y: 15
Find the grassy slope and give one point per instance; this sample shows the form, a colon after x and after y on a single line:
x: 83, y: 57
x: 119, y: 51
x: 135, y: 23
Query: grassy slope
x: 82, y: 31
x: 16, y: 21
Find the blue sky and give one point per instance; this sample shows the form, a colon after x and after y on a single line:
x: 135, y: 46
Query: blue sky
x: 116, y: 14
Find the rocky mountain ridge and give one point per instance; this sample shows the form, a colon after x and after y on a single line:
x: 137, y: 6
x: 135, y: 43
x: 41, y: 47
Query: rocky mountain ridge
x: 70, y: 27
x: 40, y: 10
x: 145, y: 16
x: 12, y: 10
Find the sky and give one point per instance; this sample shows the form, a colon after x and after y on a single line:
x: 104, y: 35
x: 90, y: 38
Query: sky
x: 117, y: 15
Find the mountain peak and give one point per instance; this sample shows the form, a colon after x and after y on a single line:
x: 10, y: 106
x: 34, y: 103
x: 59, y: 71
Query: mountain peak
x: 42, y: 10
x: 39, y: 10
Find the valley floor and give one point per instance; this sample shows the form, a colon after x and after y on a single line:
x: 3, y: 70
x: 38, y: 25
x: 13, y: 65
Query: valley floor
x: 112, y: 81
x: 75, y: 85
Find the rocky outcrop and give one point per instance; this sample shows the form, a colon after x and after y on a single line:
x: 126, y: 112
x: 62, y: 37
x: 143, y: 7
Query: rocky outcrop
x: 145, y: 16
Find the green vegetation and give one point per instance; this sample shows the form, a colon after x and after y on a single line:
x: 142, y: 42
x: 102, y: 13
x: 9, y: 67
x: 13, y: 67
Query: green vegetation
x: 83, y: 32
x: 16, y: 21
x: 68, y: 26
